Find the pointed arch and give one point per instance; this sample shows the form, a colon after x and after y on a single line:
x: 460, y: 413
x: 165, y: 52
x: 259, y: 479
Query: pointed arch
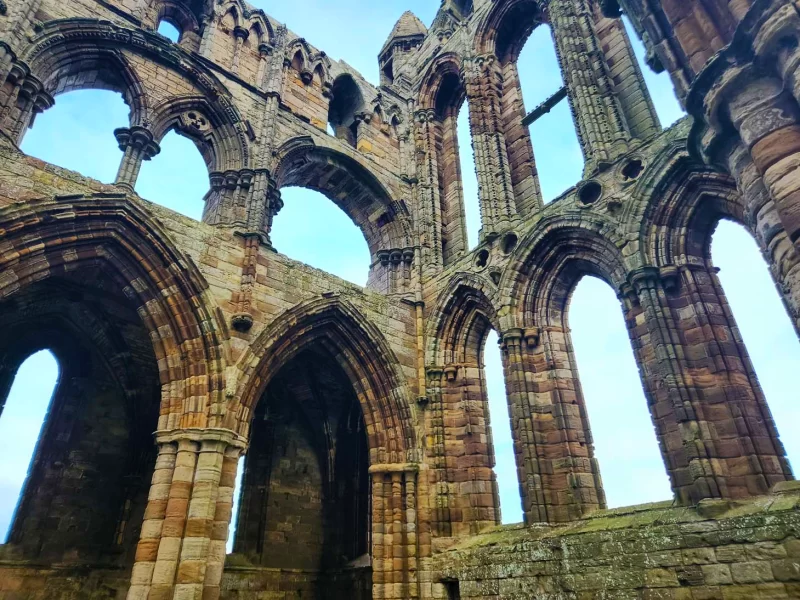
x: 47, y: 238
x: 208, y: 125
x: 337, y: 327
x: 351, y: 185
x: 464, y: 314
x: 550, y: 260
x: 505, y: 28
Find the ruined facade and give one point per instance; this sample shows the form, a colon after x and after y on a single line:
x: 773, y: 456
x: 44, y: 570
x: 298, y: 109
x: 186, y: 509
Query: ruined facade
x: 362, y: 412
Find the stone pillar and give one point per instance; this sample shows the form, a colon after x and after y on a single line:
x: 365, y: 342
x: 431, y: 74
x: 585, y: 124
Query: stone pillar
x: 182, y: 547
x: 394, y: 531
x: 264, y: 52
x: 462, y: 450
x: 598, y: 117
x: 714, y: 428
x: 484, y: 82
x: 558, y: 474
x: 137, y: 145
x: 240, y: 34
x: 428, y: 175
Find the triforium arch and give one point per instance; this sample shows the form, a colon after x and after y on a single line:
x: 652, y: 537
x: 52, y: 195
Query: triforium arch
x: 441, y: 96
x: 331, y: 331
x: 348, y: 182
x: 558, y: 473
x: 466, y: 495
x: 68, y: 55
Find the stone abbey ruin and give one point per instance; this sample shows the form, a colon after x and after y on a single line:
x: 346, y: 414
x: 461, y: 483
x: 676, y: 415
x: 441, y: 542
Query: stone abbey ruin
x: 362, y: 412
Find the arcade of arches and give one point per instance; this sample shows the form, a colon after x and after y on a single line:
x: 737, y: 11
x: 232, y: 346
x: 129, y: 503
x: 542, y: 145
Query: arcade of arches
x: 190, y: 350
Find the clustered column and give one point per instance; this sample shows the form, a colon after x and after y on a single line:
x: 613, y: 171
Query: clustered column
x: 21, y: 98
x: 428, y: 175
x: 137, y: 145
x: 484, y: 82
x: 395, y: 541
x: 601, y: 128
x: 182, y: 548
x: 558, y: 474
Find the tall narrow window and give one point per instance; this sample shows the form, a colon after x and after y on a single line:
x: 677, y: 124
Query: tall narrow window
x: 177, y: 178
x: 624, y: 438
x: 312, y: 229
x: 77, y: 133
x: 237, y: 497
x: 765, y: 327
x: 469, y: 178
x: 505, y: 466
x: 21, y: 423
x: 559, y: 160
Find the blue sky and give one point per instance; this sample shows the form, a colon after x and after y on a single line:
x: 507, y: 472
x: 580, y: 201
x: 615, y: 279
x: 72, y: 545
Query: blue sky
x: 77, y: 133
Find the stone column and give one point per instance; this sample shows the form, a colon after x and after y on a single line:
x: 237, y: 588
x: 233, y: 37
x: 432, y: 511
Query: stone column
x: 428, y: 176
x: 264, y: 52
x: 182, y: 547
x: 558, y: 474
x: 137, y: 145
x: 714, y: 428
x: 394, y: 526
x: 484, y: 81
x: 240, y: 34
x: 598, y: 117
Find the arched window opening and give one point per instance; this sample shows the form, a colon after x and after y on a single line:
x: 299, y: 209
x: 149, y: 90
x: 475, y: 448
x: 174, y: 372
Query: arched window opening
x: 177, y: 178
x: 312, y: 229
x: 22, y: 415
x: 559, y: 159
x: 347, y: 101
x: 169, y: 30
x: 448, y: 101
x: 660, y: 86
x: 78, y: 133
x: 469, y: 179
x: 306, y: 488
x: 505, y: 466
x: 764, y: 325
x: 625, y: 442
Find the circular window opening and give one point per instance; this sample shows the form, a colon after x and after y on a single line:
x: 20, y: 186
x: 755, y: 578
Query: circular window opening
x: 483, y: 259
x: 509, y: 242
x: 632, y: 170
x: 590, y: 192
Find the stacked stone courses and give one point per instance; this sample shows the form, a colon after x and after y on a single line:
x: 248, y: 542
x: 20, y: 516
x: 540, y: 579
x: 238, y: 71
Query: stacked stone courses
x: 361, y: 414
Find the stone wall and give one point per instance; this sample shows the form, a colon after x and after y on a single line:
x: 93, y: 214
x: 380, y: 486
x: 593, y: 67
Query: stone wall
x: 717, y: 551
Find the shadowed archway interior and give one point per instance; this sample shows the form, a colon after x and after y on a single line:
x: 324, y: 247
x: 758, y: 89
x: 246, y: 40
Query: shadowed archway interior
x: 305, y: 501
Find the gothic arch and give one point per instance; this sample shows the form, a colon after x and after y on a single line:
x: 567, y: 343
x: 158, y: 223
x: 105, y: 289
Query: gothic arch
x: 551, y: 260
x: 208, y: 125
x: 442, y: 88
x: 47, y: 238
x: 463, y: 315
x: 337, y: 327
x: 350, y: 185
x: 504, y: 29
x: 66, y: 60
x: 66, y: 42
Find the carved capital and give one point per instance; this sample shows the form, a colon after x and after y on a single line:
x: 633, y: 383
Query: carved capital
x: 451, y: 372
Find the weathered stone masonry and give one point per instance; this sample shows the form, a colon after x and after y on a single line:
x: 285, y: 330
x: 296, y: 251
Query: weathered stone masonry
x: 362, y: 413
